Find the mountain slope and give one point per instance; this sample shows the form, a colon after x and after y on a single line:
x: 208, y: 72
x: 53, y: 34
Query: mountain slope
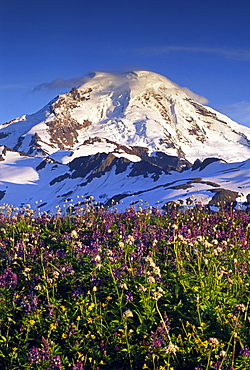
x: 121, y: 137
x: 110, y: 179
x: 137, y: 108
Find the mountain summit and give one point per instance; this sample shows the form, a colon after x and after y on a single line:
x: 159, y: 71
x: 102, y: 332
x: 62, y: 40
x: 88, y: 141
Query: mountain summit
x: 135, y: 108
x: 116, y: 127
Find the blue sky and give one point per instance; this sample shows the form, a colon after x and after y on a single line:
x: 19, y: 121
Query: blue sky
x: 48, y: 45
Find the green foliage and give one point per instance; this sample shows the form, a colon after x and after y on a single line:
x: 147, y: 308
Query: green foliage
x: 135, y: 290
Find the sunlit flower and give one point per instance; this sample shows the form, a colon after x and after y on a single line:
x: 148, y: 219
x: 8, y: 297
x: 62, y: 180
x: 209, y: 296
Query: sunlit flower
x: 151, y: 280
x: 156, y: 296
x: 91, y: 306
x: 213, y: 341
x: 97, y: 258
x: 127, y: 313
x: 240, y: 307
x: 171, y: 348
x: 157, y: 271
x: 124, y: 286
x: 56, y: 274
x: 142, y: 288
x: 130, y: 239
x: 74, y: 234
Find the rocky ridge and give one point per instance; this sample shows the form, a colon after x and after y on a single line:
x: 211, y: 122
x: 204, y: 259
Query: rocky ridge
x: 124, y: 135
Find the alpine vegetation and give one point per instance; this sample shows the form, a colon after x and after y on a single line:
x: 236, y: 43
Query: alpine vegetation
x: 140, y: 289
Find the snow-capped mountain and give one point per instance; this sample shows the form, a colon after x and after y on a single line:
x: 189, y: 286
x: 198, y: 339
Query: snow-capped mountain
x: 121, y: 135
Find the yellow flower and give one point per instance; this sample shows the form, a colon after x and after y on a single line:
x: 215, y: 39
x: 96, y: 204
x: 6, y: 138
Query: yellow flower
x: 80, y: 355
x: 91, y: 306
x: 108, y: 297
x: 64, y: 335
x: 145, y: 366
x: 14, y: 349
x: 63, y: 308
x: 78, y: 318
x: 32, y: 322
x: 101, y: 363
x: 89, y: 320
x: 52, y: 326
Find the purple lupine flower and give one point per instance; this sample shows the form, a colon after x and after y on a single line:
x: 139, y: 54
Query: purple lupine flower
x: 129, y: 297
x: 245, y: 351
x: 37, y: 355
x: 56, y: 363
x: 78, y: 366
x: 73, y: 329
x: 34, y: 356
x: 159, y: 337
x: 8, y: 279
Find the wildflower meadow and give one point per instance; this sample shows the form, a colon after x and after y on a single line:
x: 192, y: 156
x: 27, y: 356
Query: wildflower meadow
x: 140, y: 289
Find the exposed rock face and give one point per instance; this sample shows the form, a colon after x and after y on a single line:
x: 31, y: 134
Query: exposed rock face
x: 123, y: 135
x: 90, y: 167
x: 203, y: 164
x: 63, y: 129
x: 140, y: 109
x: 224, y: 198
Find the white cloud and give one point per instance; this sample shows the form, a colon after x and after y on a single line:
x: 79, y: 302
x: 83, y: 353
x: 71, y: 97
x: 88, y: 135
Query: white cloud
x: 198, y: 98
x: 241, y: 54
x: 61, y: 83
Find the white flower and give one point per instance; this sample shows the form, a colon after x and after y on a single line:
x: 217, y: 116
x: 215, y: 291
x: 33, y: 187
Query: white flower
x: 74, y: 234
x: 130, y: 239
x: 56, y: 274
x: 157, y: 271
x: 124, y: 286
x: 171, y: 348
x: 97, y: 258
x: 150, y: 261
x: 160, y: 290
x: 240, y: 307
x: 142, y: 288
x: 127, y: 313
x: 151, y: 280
x: 156, y: 296
x: 213, y: 341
